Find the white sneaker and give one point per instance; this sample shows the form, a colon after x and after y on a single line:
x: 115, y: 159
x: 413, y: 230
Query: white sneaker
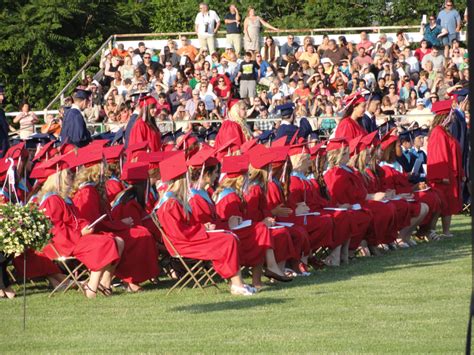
x: 251, y: 288
x: 411, y: 243
x: 241, y: 291
x: 403, y: 245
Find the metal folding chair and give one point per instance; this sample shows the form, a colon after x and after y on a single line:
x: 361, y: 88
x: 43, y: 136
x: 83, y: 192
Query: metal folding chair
x: 199, y: 272
x: 73, y: 273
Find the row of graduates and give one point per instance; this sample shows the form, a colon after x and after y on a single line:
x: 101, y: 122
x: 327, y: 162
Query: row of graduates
x: 300, y: 197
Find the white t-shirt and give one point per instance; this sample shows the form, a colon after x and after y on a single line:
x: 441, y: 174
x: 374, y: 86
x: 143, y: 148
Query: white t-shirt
x: 206, y: 22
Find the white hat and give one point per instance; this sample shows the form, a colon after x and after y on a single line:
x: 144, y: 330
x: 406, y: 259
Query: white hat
x: 107, y: 52
x: 326, y: 60
x: 420, y: 102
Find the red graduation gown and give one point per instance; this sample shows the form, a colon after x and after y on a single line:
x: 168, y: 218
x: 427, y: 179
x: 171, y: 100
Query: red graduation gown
x: 95, y: 250
x: 191, y: 240
x: 299, y: 235
x: 445, y: 162
x: 143, y: 132
x: 320, y: 228
x: 257, y: 210
x: 344, y: 187
x: 349, y: 129
x: 254, y: 240
x: 139, y: 258
x: 399, y: 182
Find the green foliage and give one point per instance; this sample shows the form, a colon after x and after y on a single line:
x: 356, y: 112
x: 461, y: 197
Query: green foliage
x: 44, y: 42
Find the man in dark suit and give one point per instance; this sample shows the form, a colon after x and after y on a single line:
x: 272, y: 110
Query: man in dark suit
x: 407, y: 159
x: 368, y: 120
x: 286, y: 128
x: 74, y: 130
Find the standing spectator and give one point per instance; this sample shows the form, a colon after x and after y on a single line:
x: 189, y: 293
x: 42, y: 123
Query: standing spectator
x: 252, y: 25
x: 187, y: 50
x: 232, y: 24
x: 270, y: 51
x: 450, y: 20
x: 431, y: 32
x: 27, y: 120
x: 248, y: 77
x: 289, y: 48
x: 206, y: 25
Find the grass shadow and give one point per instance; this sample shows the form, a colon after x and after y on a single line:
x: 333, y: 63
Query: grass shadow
x: 233, y: 304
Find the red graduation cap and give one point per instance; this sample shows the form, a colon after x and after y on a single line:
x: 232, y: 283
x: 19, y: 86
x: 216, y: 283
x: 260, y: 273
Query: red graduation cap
x: 153, y: 158
x: 248, y: 145
x: 442, y: 107
x: 99, y: 143
x: 45, y: 150
x: 354, y: 144
x: 112, y: 153
x: 173, y: 167
x: 388, y: 141
x: 336, y: 143
x: 279, y: 153
x: 86, y: 157
x: 280, y: 142
x: 66, y: 148
x: 371, y: 139
x: 388, y: 134
x: 147, y: 100
x: 354, y: 99
x: 135, y: 172
x: 134, y: 148
x: 299, y: 148
x: 16, y: 151
x: 204, y: 156
x: 4, y: 165
x: 315, y: 150
x: 259, y: 156
x: 236, y: 165
x: 58, y: 162
x: 186, y: 140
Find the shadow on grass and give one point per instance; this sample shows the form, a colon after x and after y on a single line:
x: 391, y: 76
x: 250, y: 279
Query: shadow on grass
x: 233, y: 304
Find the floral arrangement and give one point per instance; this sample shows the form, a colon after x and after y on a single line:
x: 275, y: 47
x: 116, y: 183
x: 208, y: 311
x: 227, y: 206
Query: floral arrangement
x: 23, y: 227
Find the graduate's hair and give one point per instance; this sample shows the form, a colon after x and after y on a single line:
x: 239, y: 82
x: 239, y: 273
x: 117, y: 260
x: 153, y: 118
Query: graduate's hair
x: 358, y: 162
x: 236, y: 183
x: 89, y: 174
x: 180, y: 189
x: 149, y: 118
x: 195, y: 172
x: 374, y: 162
x: 112, y: 169
x: 334, y: 157
x: 298, y: 159
x: 389, y: 154
x: 318, y: 166
x: 438, y: 119
x: 258, y: 175
x: 63, y: 178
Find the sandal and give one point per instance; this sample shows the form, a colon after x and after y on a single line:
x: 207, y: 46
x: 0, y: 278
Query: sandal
x: 106, y: 291
x: 87, y: 288
x: 241, y: 291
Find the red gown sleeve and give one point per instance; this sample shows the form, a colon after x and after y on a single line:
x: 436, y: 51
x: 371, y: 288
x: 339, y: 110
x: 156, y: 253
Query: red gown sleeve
x: 201, y: 209
x: 349, y: 129
x: 87, y: 202
x: 296, y: 192
x: 438, y: 155
x: 177, y: 225
x: 274, y: 196
x: 256, y: 204
x: 229, y: 206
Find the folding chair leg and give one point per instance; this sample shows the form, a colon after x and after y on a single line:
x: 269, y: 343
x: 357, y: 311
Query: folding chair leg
x: 10, y: 273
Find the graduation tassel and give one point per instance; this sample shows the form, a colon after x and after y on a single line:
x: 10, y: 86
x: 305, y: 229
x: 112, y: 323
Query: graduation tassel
x: 283, y: 175
x: 147, y: 190
x: 198, y: 185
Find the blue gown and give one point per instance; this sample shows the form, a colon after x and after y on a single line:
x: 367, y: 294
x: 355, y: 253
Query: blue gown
x: 74, y: 130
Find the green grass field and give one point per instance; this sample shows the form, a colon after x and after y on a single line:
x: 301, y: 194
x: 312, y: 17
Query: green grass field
x: 409, y: 301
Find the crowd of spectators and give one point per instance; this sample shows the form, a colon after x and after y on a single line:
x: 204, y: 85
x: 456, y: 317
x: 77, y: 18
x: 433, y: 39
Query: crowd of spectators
x: 189, y: 83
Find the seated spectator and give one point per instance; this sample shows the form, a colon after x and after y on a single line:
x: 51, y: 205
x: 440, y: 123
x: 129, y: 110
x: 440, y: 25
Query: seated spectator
x: 365, y: 43
x: 436, y: 58
x: 111, y: 67
x: 192, y: 103
x: 412, y: 100
x: 288, y: 48
x: 207, y: 95
x: 52, y: 125
x: 263, y: 125
x: 201, y: 114
x: 147, y: 63
x: 229, y: 54
x: 306, y: 69
x: 169, y: 74
x: 335, y: 53
x: 187, y: 49
x: 138, y: 82
x: 164, y: 121
x: 324, y: 45
x: 388, y: 107
x: 384, y: 43
x: 178, y: 97
x: 127, y: 69
x: 328, y: 66
x: 223, y: 89
x: 402, y: 40
x: 169, y: 54
x: 162, y: 104
x: 270, y: 51
x: 306, y: 41
x: 302, y: 92
x: 110, y: 105
x: 265, y: 71
x: 180, y: 117
x: 119, y: 51
x: 422, y: 50
x: 457, y: 56
x: 362, y: 57
x: 310, y: 55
